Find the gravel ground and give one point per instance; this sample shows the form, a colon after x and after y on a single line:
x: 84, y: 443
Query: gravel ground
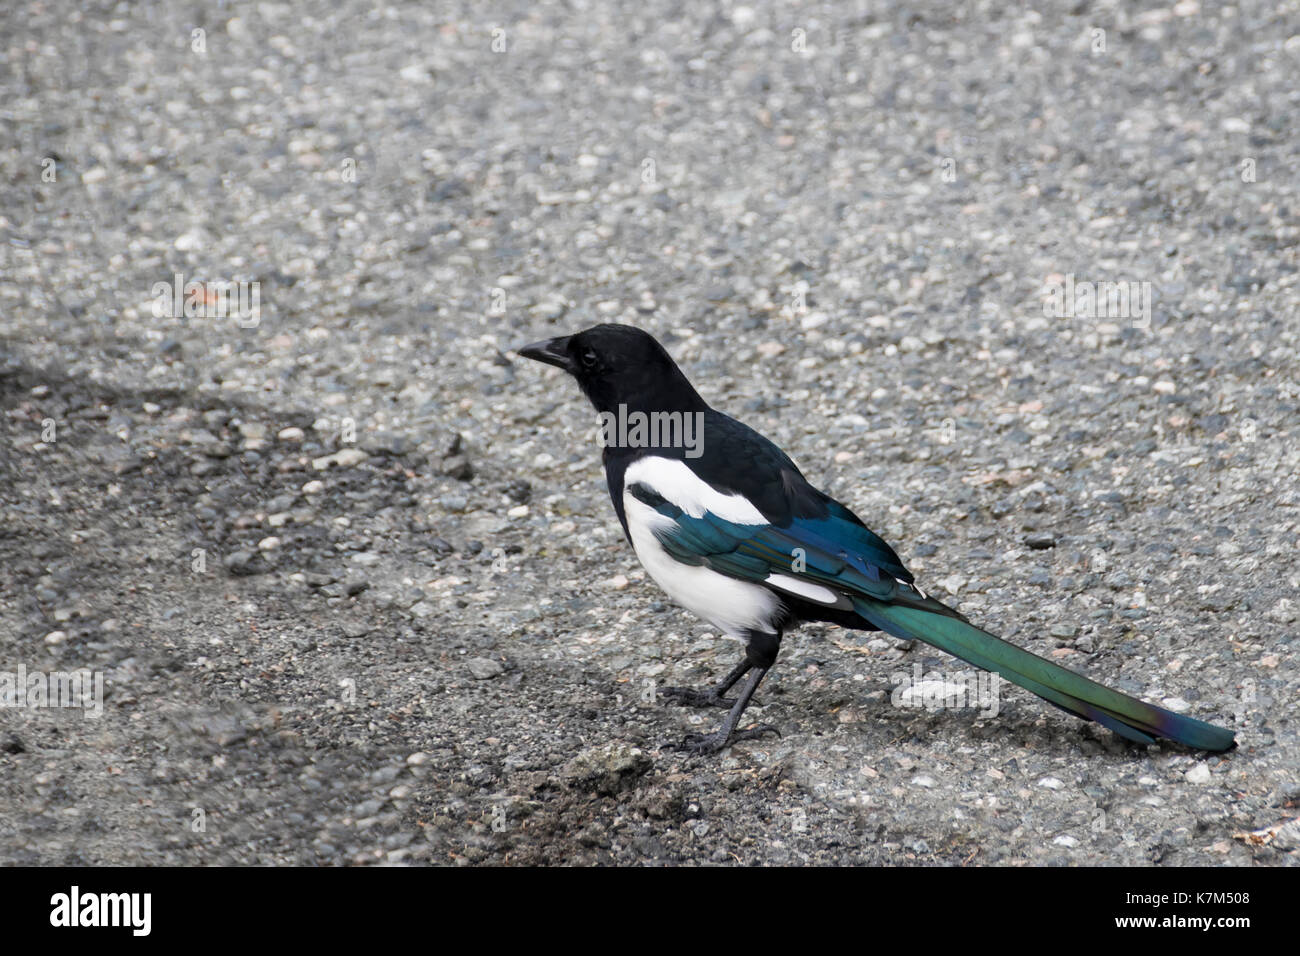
x: 427, y: 641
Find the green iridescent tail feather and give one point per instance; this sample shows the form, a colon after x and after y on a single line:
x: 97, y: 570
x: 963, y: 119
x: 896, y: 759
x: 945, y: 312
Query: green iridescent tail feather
x: 1127, y: 716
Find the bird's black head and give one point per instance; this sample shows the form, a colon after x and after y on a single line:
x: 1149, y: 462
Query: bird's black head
x: 619, y: 364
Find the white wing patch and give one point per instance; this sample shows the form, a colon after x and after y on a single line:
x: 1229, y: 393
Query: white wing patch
x: 810, y: 590
x: 674, y: 481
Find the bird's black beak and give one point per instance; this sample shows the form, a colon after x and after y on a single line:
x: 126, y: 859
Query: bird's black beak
x: 552, y: 352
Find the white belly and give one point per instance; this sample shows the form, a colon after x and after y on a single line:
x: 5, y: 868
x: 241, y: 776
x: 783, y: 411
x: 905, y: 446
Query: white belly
x: 731, y: 605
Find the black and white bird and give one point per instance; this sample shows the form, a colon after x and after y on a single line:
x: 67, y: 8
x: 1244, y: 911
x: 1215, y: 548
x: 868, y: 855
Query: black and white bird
x: 727, y: 525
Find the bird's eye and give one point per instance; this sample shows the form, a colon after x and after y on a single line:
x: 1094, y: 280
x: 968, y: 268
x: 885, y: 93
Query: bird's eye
x: 588, y: 358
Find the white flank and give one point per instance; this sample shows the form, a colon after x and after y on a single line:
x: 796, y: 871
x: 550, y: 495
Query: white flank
x: 729, y: 604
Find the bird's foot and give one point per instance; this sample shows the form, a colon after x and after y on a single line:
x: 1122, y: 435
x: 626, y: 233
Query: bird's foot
x: 712, y: 743
x: 688, y: 697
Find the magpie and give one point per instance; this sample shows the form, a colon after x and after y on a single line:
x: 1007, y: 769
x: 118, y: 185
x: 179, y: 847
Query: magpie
x: 725, y: 523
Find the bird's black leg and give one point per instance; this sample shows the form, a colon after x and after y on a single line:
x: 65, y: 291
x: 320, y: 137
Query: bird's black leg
x: 710, y: 698
x: 727, y: 733
x: 760, y: 655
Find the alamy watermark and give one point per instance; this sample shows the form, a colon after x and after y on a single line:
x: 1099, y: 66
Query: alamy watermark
x: 222, y: 299
x: 1126, y: 299
x: 653, y: 430
x: 130, y: 910
x: 975, y: 690
x: 79, y: 690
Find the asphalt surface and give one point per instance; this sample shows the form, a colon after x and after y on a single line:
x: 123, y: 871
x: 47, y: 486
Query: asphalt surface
x: 348, y: 569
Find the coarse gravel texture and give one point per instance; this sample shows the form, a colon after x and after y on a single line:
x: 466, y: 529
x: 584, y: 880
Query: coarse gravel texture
x: 351, y: 575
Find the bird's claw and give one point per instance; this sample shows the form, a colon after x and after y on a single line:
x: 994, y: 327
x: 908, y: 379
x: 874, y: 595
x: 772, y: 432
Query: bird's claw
x: 705, y: 744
